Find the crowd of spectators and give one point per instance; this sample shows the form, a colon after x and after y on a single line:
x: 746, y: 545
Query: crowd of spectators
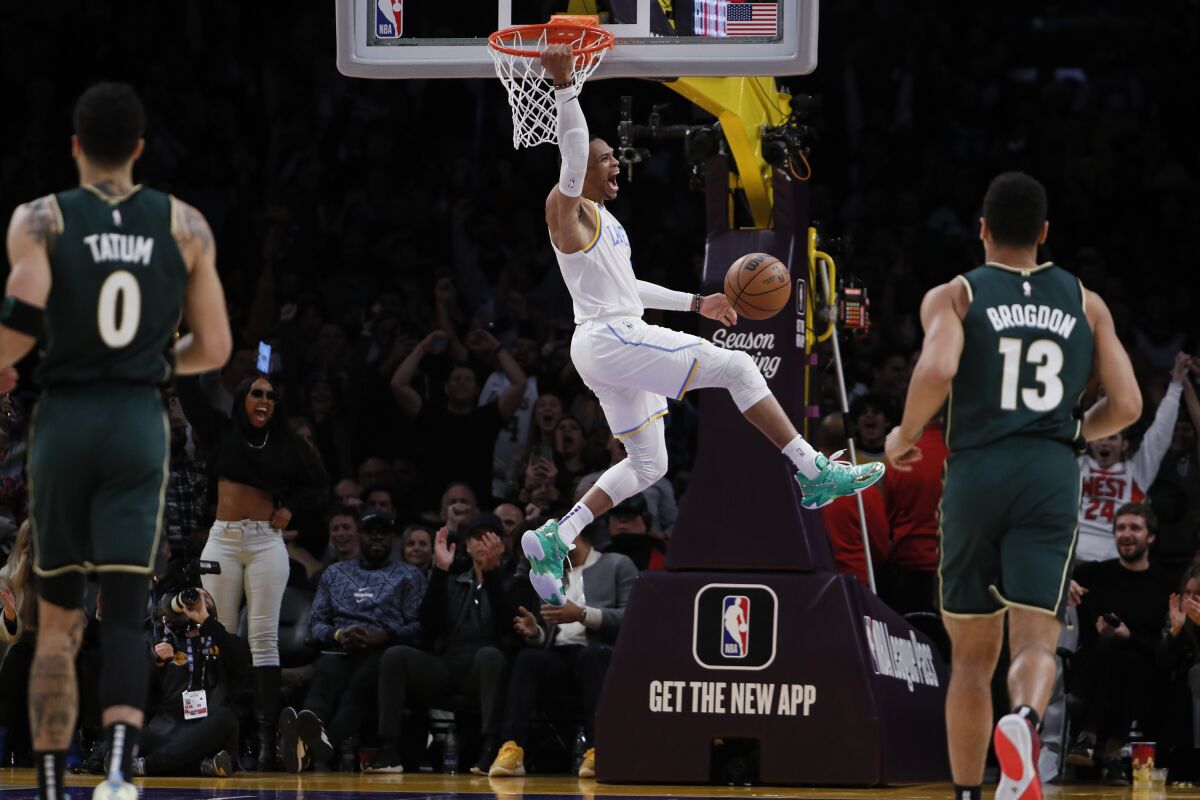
x: 387, y: 242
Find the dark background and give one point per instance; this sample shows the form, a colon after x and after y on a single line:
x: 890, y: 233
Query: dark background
x: 919, y: 106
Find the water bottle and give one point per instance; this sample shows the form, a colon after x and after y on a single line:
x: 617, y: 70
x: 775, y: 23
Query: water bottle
x: 579, y: 749
x: 450, y: 752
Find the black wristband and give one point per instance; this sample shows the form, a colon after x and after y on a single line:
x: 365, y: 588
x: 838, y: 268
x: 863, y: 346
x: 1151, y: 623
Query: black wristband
x: 568, y: 85
x: 696, y: 299
x: 22, y: 317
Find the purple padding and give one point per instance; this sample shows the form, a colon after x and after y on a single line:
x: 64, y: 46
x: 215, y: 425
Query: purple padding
x: 868, y: 709
x: 742, y: 507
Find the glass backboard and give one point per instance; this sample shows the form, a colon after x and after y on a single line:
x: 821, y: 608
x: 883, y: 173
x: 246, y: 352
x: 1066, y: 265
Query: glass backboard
x: 654, y: 38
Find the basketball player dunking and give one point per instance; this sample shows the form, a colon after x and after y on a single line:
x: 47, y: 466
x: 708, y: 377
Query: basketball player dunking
x: 1012, y: 344
x: 101, y: 275
x: 633, y: 367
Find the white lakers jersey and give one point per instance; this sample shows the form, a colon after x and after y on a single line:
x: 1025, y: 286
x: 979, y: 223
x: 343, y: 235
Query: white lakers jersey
x: 600, y: 276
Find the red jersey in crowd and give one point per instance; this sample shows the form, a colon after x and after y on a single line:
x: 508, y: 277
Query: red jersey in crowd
x: 842, y: 524
x: 911, y: 500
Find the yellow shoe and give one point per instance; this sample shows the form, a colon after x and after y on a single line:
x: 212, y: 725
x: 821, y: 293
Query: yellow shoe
x: 509, y: 761
x: 587, y: 767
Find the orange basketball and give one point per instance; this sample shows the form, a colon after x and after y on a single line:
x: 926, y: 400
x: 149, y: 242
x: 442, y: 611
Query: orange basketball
x: 758, y: 285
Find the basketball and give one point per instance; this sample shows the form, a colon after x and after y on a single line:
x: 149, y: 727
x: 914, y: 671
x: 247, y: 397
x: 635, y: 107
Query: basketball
x: 758, y: 285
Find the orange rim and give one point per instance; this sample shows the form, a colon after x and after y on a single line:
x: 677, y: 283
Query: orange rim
x: 566, y: 30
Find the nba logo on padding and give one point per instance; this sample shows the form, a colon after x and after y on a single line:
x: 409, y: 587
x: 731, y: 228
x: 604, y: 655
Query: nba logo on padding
x: 389, y: 19
x: 734, y: 626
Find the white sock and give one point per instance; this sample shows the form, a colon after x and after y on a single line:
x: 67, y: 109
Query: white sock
x: 802, y: 454
x: 573, y: 522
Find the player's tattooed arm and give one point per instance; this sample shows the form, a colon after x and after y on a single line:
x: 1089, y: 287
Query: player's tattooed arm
x: 38, y: 221
x: 191, y: 230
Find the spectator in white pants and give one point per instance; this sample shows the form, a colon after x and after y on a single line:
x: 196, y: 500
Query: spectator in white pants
x: 264, y: 474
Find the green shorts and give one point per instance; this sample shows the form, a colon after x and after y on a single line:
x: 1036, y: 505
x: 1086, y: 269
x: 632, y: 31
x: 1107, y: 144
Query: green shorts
x: 98, y: 457
x: 1010, y: 516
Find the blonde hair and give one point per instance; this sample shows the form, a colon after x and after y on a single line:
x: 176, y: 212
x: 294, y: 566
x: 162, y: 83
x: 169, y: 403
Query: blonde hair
x: 19, y: 566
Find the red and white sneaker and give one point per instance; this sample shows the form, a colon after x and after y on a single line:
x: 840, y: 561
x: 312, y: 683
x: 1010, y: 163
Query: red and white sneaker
x: 1017, y: 747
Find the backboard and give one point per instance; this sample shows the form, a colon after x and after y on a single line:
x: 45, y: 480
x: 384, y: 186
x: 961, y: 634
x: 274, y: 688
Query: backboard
x: 654, y: 38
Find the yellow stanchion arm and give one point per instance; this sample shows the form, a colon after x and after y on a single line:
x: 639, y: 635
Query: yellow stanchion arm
x: 743, y: 106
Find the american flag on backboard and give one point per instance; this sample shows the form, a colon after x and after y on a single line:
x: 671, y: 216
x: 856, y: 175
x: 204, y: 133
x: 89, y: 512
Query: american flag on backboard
x: 736, y: 18
x: 751, y: 19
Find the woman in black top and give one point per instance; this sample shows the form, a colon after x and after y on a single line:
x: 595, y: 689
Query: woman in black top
x: 264, y: 475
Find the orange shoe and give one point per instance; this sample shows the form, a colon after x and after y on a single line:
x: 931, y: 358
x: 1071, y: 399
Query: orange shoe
x: 587, y: 767
x: 509, y: 761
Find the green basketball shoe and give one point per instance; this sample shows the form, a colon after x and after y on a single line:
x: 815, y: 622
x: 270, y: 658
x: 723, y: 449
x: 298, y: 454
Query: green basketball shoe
x: 546, y: 553
x: 837, y: 479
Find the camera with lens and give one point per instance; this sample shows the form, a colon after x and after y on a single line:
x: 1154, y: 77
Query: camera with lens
x: 180, y: 589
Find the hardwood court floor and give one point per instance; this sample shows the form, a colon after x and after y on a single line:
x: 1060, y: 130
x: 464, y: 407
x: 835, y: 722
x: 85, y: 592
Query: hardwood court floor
x: 20, y: 784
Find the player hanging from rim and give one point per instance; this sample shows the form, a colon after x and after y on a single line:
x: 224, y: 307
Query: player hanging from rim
x: 633, y: 367
x: 101, y: 274
x: 1012, y: 345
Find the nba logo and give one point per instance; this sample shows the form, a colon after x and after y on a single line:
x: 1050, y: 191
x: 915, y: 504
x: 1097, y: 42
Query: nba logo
x: 735, y: 626
x: 389, y: 19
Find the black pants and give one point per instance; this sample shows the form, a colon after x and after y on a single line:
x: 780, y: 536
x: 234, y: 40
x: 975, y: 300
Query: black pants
x: 570, y: 668
x: 173, y: 747
x: 14, y: 693
x: 412, y: 677
x: 1118, y: 683
x: 344, y: 692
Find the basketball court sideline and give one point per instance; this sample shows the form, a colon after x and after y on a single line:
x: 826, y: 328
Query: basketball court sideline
x: 20, y: 784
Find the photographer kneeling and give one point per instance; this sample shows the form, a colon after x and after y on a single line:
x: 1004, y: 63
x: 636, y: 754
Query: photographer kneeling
x: 189, y: 727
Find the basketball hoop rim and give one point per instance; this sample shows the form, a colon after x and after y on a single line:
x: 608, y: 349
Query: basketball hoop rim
x: 604, y: 39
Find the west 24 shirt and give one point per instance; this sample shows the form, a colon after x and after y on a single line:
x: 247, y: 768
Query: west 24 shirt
x: 1106, y: 490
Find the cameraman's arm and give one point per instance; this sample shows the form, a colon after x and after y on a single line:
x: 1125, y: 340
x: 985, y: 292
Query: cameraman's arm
x: 161, y: 653
x: 233, y: 649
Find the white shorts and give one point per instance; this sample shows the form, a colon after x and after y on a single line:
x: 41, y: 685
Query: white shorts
x: 634, y: 367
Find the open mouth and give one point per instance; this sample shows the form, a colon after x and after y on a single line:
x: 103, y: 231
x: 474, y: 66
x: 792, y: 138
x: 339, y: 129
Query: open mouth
x: 612, y: 183
x: 261, y: 413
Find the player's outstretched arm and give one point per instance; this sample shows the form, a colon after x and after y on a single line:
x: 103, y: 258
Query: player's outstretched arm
x: 209, y: 343
x: 30, y: 236
x: 568, y: 230
x: 1122, y: 402
x: 934, y: 372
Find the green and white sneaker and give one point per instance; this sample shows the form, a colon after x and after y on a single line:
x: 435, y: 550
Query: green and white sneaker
x: 837, y: 479
x: 546, y: 553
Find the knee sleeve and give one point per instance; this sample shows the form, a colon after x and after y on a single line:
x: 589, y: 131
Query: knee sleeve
x: 743, y: 380
x: 650, y: 464
x: 645, y: 463
x: 125, y: 673
x: 65, y: 590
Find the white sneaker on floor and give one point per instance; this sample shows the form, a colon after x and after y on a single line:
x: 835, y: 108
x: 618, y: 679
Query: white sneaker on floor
x: 113, y: 790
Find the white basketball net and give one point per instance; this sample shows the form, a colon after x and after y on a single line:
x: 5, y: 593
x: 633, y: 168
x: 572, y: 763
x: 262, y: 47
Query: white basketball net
x: 530, y: 90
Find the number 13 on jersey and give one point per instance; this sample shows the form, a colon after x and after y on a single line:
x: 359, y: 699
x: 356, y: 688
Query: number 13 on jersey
x: 1047, y: 356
